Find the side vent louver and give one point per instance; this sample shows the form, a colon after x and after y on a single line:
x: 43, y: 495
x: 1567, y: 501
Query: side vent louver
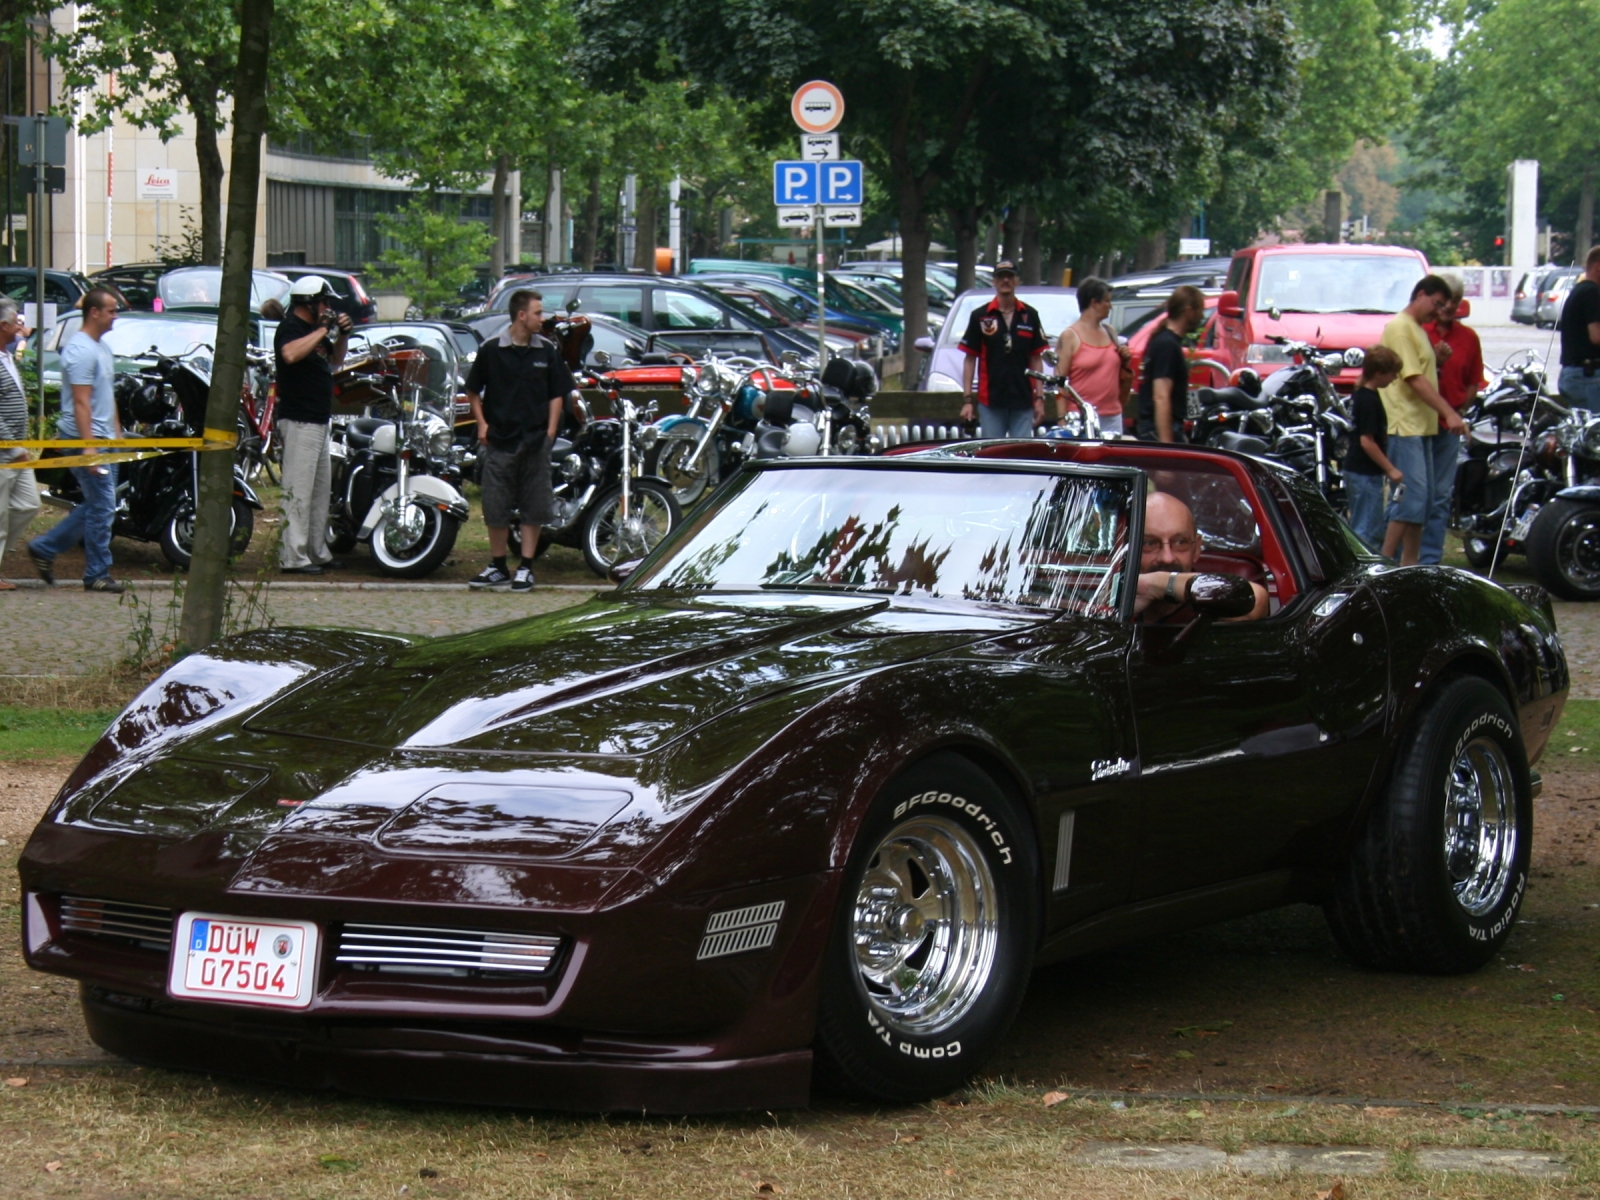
x: 736, y: 930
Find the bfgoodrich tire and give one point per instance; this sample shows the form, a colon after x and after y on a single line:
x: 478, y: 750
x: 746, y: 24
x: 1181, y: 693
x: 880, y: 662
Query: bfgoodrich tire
x: 1439, y: 869
x: 934, y: 936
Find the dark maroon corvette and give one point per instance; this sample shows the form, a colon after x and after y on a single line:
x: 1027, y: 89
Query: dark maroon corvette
x: 855, y: 749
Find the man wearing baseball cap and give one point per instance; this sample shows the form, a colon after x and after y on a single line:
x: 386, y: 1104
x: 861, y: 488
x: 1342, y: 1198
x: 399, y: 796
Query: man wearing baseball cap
x: 1004, y: 339
x: 310, y: 345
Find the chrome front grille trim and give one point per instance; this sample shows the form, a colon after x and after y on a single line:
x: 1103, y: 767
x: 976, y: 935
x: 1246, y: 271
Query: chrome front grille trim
x: 429, y: 951
x: 144, y: 924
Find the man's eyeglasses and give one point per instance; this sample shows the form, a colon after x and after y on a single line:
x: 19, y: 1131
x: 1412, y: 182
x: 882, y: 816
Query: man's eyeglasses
x: 1178, y: 543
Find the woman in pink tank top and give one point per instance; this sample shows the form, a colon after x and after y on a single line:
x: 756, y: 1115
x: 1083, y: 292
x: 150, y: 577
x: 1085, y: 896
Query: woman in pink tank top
x: 1090, y: 357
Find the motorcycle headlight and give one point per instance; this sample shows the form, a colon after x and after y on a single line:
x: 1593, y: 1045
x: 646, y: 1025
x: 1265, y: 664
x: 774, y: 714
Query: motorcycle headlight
x: 649, y: 435
x: 1267, y: 352
x: 440, y: 437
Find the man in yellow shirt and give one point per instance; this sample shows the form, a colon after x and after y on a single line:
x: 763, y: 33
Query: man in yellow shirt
x: 1415, y: 410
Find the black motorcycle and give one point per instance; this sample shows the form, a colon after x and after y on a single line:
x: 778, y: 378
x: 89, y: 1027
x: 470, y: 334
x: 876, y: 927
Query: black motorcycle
x: 603, y: 506
x: 164, y: 398
x: 1514, y: 459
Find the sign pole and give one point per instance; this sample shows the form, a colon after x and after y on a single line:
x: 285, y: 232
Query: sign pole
x: 40, y: 166
x: 822, y: 297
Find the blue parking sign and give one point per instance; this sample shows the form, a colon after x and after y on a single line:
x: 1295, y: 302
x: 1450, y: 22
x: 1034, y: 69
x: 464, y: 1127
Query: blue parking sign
x: 839, y: 182
x: 794, y: 183
x: 799, y: 183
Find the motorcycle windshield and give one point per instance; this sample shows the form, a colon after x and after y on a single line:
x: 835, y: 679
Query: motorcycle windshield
x: 423, y: 357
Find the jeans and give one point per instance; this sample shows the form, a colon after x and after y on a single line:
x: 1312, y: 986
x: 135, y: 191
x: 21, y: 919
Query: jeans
x: 1365, y: 493
x: 1005, y: 422
x: 1580, y: 389
x: 1444, y: 451
x: 307, y: 480
x: 88, y: 522
x: 1414, y: 457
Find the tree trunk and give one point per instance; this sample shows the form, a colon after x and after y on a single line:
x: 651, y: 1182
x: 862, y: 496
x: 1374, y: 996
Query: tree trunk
x: 497, y: 216
x: 1011, y: 235
x: 991, y: 241
x: 211, y: 172
x: 1152, y: 251
x: 591, y: 220
x: 1032, y: 259
x: 204, y: 600
x: 964, y: 222
x: 1585, y: 232
x: 644, y: 242
x: 913, y: 277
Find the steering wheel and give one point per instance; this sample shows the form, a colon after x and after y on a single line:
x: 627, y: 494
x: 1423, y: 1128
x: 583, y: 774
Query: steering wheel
x: 679, y: 358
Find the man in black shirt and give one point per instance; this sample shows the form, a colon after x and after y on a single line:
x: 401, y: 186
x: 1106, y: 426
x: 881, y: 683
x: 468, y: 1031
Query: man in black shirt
x: 1004, y: 339
x: 1164, y: 385
x: 517, y: 387
x: 1580, y: 338
x: 310, y: 344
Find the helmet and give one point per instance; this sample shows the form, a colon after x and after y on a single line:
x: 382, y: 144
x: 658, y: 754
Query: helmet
x: 308, y: 289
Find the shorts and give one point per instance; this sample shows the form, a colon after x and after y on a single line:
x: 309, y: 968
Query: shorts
x: 1580, y: 388
x: 516, y: 481
x: 1414, y: 457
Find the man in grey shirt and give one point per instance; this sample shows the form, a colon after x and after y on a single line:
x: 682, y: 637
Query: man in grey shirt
x: 19, y: 492
x: 87, y: 404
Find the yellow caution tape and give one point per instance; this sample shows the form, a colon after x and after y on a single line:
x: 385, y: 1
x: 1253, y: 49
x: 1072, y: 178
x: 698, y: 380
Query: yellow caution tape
x: 122, y: 449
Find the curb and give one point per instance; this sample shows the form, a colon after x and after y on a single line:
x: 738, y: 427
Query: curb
x: 1455, y: 1106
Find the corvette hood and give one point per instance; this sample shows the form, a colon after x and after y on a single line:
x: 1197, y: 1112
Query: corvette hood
x: 615, y: 676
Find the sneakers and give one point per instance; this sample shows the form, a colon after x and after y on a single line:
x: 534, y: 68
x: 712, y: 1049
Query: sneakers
x: 492, y: 577
x: 104, y: 584
x: 522, y: 581
x: 45, y: 566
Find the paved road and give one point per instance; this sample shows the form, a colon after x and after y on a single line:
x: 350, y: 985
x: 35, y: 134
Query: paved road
x: 67, y: 631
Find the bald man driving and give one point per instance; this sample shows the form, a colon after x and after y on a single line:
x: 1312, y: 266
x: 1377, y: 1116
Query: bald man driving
x: 1172, y: 547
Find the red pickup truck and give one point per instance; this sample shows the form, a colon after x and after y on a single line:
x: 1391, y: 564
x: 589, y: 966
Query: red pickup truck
x: 1333, y: 297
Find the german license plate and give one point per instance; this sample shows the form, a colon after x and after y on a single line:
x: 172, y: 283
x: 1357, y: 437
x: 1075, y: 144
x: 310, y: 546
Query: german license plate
x: 248, y: 962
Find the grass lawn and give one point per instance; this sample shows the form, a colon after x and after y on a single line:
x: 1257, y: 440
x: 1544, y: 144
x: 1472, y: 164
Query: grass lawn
x: 33, y: 733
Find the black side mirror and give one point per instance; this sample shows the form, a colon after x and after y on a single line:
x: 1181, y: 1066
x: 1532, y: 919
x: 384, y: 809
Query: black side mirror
x: 1221, y: 596
x: 620, y: 571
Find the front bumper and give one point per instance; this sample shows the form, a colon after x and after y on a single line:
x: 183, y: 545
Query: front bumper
x: 520, y: 1066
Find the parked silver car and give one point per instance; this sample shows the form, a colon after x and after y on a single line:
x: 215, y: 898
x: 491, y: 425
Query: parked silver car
x: 1553, y: 296
x: 1525, y: 302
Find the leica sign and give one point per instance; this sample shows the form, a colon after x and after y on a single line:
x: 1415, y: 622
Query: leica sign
x: 158, y: 183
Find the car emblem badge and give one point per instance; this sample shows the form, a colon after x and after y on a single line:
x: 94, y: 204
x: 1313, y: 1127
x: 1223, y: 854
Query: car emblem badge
x: 1104, y: 768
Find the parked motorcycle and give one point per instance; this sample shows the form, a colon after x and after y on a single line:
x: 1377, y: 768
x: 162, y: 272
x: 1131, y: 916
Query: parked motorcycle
x: 1082, y: 421
x: 1504, y: 479
x: 741, y: 408
x: 156, y: 496
x: 395, y: 480
x: 603, y: 506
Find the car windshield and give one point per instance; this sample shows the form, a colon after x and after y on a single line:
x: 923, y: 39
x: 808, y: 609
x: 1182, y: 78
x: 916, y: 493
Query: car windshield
x: 147, y: 336
x: 859, y: 297
x: 1336, y: 283
x: 1036, y: 539
x: 1057, y: 310
x: 201, y: 287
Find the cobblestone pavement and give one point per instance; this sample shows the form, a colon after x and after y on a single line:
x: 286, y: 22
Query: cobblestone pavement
x: 67, y: 631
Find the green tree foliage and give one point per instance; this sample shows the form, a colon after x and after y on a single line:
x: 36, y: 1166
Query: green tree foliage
x: 436, y: 251
x: 1125, y: 96
x: 165, y: 58
x: 1522, y: 84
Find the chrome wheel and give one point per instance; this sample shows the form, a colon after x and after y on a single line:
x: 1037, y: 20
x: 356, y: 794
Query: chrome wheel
x: 669, y: 461
x: 610, y: 538
x: 1480, y: 826
x: 925, y: 926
